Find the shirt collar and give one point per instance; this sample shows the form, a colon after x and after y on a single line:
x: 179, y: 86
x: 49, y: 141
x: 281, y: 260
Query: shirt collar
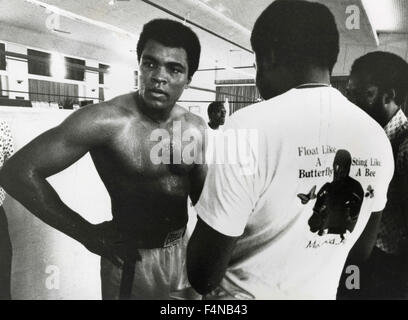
x: 397, y: 124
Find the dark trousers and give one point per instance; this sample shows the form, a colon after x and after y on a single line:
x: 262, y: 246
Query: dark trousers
x: 5, y: 258
x: 382, y: 277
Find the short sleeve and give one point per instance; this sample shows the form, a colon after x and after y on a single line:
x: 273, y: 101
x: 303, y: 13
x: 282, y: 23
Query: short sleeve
x: 383, y: 181
x: 230, y: 190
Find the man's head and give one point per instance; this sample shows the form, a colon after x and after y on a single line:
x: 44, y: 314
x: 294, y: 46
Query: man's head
x: 378, y: 84
x: 216, y: 113
x: 168, y: 54
x: 341, y: 165
x: 289, y: 38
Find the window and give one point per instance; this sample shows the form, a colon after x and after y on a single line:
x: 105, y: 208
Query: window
x: 2, y: 56
x: 75, y: 69
x: 104, y: 68
x: 65, y: 94
x: 39, y: 63
x: 3, y: 86
x: 238, y: 94
x: 101, y: 94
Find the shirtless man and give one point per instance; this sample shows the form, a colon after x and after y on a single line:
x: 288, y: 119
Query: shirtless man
x: 142, y: 248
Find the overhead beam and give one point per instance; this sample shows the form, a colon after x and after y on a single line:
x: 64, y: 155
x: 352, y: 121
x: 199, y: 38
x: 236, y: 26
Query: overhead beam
x: 372, y: 30
x: 195, y: 24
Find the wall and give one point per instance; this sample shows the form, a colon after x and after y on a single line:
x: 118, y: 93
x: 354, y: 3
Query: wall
x: 42, y: 255
x: 17, y: 71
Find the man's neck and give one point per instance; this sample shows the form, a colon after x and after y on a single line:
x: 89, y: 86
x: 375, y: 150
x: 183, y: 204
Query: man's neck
x: 158, y: 116
x: 313, y: 75
x: 390, y: 110
x: 213, y: 126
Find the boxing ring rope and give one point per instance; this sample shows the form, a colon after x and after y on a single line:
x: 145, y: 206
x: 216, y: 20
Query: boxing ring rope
x: 186, y: 101
x: 50, y: 94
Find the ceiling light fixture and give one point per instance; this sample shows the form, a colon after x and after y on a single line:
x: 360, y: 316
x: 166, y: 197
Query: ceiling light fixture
x: 381, y: 14
x: 77, y: 17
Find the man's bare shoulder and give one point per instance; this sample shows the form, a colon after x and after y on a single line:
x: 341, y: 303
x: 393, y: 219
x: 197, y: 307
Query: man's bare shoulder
x: 118, y: 108
x: 98, y: 121
x: 190, y: 118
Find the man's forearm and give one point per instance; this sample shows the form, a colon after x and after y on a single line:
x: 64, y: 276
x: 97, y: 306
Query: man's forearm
x: 38, y: 196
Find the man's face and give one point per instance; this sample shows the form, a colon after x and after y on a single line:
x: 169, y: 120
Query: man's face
x: 218, y: 117
x: 271, y: 78
x: 341, y: 165
x: 163, y: 75
x: 365, y: 95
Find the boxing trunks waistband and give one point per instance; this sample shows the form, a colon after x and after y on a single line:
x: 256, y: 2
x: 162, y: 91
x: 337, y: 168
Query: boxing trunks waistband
x: 157, y: 240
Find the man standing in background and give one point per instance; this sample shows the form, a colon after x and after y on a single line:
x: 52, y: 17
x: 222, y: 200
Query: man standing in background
x: 378, y: 84
x: 216, y: 114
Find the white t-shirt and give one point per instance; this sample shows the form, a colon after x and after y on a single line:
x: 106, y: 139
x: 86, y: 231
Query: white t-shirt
x: 268, y: 194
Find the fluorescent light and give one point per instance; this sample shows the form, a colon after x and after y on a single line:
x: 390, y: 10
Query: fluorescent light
x: 381, y: 14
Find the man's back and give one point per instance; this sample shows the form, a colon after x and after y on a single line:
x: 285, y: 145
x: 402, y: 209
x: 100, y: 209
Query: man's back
x: 299, y: 135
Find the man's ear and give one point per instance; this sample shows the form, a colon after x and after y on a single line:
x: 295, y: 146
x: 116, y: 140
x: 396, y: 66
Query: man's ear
x: 388, y: 96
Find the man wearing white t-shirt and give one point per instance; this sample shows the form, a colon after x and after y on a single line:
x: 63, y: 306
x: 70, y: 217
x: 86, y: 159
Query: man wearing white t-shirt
x: 305, y: 173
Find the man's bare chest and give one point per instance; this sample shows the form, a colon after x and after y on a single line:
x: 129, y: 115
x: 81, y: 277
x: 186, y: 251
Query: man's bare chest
x: 147, y: 150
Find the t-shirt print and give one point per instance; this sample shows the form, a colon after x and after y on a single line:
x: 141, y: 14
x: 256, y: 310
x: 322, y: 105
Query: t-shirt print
x: 338, y: 203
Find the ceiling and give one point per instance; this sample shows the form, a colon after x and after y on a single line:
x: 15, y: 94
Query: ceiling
x: 116, y: 27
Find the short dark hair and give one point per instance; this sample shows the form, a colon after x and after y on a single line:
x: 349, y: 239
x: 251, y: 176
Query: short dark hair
x: 385, y: 70
x: 173, y: 34
x: 343, y: 158
x: 214, y: 106
x: 300, y: 33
